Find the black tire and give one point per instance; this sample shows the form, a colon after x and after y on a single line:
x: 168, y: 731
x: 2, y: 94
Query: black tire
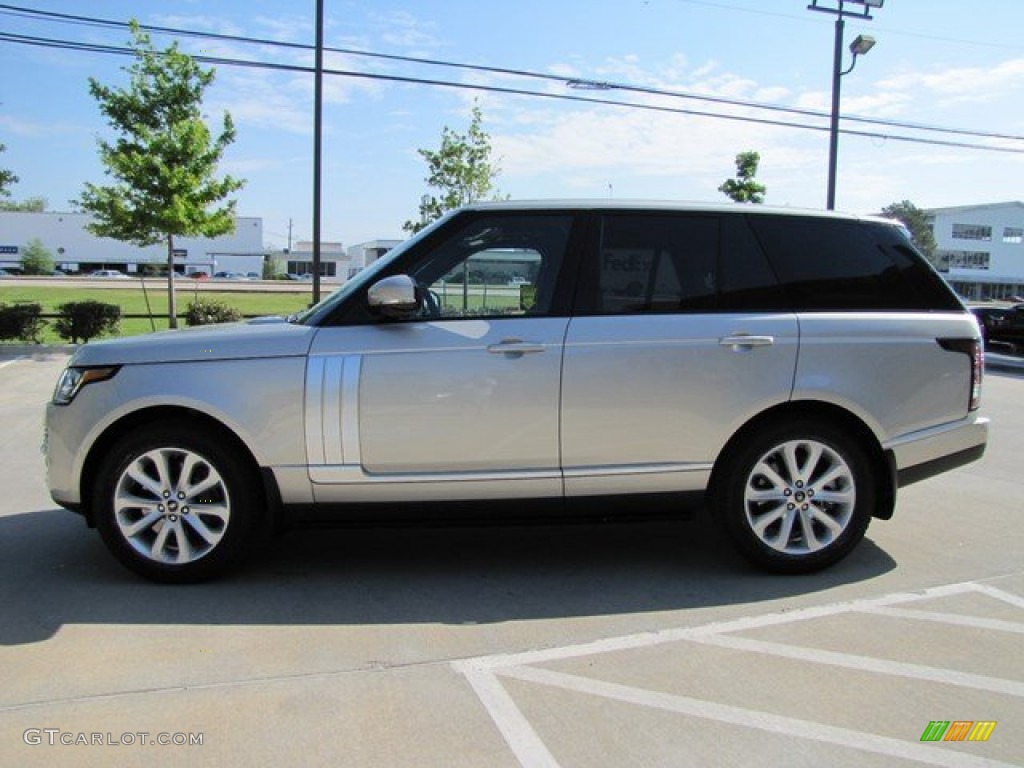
x: 797, y: 496
x: 176, y: 505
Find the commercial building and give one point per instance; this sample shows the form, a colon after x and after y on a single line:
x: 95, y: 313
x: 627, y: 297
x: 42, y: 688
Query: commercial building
x: 75, y: 249
x: 981, y: 249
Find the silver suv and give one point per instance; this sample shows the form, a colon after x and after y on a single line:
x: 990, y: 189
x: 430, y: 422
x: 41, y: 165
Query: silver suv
x: 791, y: 370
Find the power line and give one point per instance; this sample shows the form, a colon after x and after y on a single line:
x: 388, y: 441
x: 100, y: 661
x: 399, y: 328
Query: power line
x: 222, y: 61
x: 81, y: 20
x: 55, y: 43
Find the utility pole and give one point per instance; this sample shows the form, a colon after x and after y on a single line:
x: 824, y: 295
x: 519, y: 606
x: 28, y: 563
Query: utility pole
x: 318, y: 120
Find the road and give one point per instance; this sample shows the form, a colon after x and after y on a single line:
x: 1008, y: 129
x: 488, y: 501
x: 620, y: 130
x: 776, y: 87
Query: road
x: 550, y: 646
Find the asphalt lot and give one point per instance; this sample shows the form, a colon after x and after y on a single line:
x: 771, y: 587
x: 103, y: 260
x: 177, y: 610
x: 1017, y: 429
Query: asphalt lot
x: 571, y: 646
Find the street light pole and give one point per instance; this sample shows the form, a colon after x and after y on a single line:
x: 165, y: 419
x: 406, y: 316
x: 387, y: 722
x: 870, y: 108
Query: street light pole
x: 833, y: 132
x: 860, y: 46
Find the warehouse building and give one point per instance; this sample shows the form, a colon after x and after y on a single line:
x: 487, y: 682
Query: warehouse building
x: 76, y: 250
x: 981, y: 249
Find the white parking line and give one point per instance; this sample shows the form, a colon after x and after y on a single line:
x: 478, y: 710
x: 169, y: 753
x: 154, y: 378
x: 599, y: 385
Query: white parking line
x: 483, y: 673
x: 999, y: 594
x: 976, y: 622
x: 868, y: 664
x: 514, y: 727
x: 749, y: 718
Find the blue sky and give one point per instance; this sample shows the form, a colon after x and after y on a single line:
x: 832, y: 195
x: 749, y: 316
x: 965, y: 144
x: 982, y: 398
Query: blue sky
x: 937, y: 62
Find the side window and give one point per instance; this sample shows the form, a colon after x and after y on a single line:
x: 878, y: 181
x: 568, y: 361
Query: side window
x: 832, y: 264
x: 929, y: 288
x: 746, y: 282
x: 653, y: 263
x: 496, y: 265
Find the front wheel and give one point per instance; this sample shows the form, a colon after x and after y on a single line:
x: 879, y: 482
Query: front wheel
x: 175, y: 506
x: 798, y: 497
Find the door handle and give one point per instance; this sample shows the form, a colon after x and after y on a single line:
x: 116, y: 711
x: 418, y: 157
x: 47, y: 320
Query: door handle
x: 740, y: 341
x: 515, y: 348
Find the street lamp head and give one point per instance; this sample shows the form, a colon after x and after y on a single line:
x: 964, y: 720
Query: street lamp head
x: 856, y: 8
x: 862, y: 44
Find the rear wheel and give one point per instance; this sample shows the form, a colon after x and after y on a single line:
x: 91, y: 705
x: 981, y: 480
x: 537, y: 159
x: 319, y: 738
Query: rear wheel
x: 175, y: 505
x: 797, y: 497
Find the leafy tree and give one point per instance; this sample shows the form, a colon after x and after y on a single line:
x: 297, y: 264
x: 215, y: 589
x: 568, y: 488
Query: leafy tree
x: 461, y: 170
x: 272, y: 268
x: 164, y: 161
x: 917, y: 223
x: 744, y: 189
x: 29, y: 205
x: 7, y: 178
x: 36, y: 259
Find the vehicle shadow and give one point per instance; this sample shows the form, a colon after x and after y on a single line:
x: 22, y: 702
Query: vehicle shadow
x: 53, y: 571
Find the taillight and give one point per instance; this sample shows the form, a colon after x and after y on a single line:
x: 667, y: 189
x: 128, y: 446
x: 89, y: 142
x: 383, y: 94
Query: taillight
x: 976, y: 353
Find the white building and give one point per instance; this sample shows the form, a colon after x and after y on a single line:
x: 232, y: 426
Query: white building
x: 364, y: 254
x: 299, y: 261
x: 981, y: 248
x: 75, y: 249
x: 337, y: 264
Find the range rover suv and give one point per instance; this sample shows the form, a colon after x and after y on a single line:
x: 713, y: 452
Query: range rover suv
x: 790, y: 370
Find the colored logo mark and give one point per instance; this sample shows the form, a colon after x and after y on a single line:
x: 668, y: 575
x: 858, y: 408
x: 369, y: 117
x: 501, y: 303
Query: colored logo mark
x: 958, y: 730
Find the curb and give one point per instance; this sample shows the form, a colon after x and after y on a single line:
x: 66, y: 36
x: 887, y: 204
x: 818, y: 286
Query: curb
x: 37, y: 350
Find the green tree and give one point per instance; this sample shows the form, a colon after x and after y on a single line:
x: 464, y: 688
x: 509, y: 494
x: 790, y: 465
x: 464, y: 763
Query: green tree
x: 164, y: 161
x: 461, y: 171
x: 272, y: 268
x: 29, y: 205
x: 917, y: 222
x: 36, y: 259
x: 744, y: 189
x: 7, y: 178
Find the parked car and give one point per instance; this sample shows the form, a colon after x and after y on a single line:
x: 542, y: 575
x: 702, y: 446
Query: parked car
x: 109, y: 273
x: 988, y: 317
x: 199, y: 275
x: 518, y: 281
x: 789, y: 370
x: 4, y: 273
x: 253, y: 276
x: 228, y: 276
x: 1002, y: 327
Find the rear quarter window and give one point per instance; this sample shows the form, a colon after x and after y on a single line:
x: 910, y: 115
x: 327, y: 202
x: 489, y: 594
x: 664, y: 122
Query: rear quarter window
x: 829, y: 264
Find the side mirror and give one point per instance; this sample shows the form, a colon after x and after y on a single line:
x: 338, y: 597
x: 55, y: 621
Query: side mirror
x: 395, y: 297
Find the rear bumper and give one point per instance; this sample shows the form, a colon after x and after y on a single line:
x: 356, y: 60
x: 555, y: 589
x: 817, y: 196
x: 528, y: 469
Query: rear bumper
x: 930, y: 452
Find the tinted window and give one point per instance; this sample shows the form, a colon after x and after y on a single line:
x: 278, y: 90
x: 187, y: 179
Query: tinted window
x: 656, y: 263
x: 665, y: 263
x: 745, y: 280
x: 929, y: 288
x: 829, y: 264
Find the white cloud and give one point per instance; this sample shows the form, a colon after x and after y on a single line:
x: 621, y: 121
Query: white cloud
x: 962, y: 84
x: 214, y: 24
x: 401, y: 29
x: 291, y: 29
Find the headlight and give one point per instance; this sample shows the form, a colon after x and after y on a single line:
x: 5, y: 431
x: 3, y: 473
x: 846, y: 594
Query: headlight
x: 73, y: 379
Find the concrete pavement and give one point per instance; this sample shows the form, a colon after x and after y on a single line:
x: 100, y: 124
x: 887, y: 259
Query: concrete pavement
x: 573, y: 646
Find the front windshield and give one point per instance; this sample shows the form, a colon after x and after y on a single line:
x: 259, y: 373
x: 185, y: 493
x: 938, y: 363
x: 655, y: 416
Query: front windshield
x: 361, y: 279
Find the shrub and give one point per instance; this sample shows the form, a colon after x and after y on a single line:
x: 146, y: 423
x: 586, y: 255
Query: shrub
x: 86, y: 320
x: 22, y: 322
x: 208, y: 312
